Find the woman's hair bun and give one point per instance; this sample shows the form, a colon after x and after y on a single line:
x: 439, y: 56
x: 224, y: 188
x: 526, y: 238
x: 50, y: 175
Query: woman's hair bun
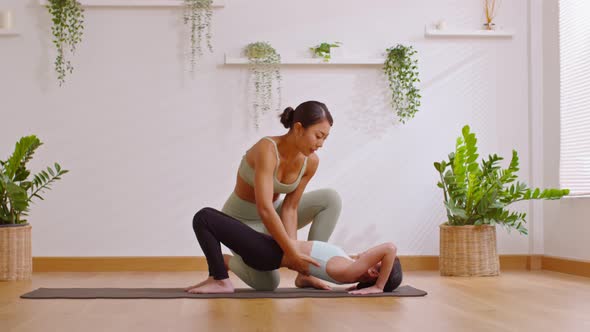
x: 287, y: 117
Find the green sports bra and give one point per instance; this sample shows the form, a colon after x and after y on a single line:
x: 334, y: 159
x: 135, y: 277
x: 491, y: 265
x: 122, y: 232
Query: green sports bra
x: 247, y: 173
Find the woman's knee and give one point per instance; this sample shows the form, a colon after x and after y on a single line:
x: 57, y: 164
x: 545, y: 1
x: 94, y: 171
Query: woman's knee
x: 258, y: 280
x: 266, y: 282
x: 332, y: 198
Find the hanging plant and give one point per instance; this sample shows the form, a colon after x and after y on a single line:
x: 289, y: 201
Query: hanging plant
x: 198, y: 15
x: 68, y: 25
x: 264, y: 67
x: 401, y: 70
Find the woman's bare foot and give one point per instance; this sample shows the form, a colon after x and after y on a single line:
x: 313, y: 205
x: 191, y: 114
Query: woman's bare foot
x: 303, y: 281
x: 197, y: 285
x: 214, y: 286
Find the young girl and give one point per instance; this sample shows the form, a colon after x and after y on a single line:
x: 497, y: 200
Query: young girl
x: 375, y: 270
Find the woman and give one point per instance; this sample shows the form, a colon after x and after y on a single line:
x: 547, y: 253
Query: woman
x: 376, y: 270
x: 285, y: 165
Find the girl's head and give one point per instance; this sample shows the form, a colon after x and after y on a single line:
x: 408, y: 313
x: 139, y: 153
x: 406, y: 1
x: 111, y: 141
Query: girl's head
x: 310, y: 123
x: 370, y: 277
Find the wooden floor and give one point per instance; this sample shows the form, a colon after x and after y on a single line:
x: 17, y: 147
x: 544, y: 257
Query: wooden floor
x: 515, y: 301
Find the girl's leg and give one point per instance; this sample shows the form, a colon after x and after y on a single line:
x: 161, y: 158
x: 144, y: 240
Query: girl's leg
x: 248, y: 214
x: 213, y: 227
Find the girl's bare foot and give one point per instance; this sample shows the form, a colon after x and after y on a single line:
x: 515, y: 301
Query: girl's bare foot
x: 214, y: 286
x: 303, y: 281
x: 197, y: 285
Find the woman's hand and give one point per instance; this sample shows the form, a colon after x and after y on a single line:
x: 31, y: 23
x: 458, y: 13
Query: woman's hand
x: 300, y: 263
x: 368, y: 290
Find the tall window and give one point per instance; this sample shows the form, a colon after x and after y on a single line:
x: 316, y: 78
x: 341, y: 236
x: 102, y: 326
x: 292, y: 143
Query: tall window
x: 574, y: 42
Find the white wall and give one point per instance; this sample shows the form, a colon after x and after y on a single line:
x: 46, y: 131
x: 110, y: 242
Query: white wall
x: 566, y: 222
x: 148, y: 145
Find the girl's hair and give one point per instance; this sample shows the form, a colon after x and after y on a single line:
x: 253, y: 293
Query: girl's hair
x: 307, y: 113
x: 393, y: 282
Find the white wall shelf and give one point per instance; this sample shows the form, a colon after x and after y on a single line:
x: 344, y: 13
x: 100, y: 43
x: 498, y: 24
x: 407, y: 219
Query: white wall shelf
x: 136, y: 3
x: 431, y: 32
x: 312, y: 61
x: 8, y: 32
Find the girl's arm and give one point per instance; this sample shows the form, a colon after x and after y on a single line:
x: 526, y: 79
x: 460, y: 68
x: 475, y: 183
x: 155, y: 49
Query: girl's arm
x: 384, y: 253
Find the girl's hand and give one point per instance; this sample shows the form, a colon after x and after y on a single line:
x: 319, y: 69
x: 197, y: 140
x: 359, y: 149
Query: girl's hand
x: 368, y: 290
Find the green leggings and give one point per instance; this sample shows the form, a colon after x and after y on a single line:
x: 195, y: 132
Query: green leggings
x: 320, y: 207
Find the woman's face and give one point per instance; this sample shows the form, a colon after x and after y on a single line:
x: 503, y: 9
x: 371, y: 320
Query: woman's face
x: 312, y: 138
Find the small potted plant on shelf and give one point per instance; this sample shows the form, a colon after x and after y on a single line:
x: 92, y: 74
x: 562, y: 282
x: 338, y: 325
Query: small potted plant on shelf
x: 323, y: 50
x: 401, y: 70
x: 264, y: 67
x: 17, y: 191
x: 476, y: 198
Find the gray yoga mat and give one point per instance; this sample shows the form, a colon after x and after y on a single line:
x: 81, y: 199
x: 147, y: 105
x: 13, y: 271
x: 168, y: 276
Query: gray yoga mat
x: 174, y: 293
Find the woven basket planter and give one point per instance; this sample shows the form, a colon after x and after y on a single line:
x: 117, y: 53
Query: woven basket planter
x: 16, y: 262
x: 467, y: 251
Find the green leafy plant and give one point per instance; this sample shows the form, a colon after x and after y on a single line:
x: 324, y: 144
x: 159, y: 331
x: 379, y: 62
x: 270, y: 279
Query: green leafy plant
x: 16, y: 190
x: 323, y: 50
x: 478, y: 194
x: 264, y: 67
x: 198, y: 15
x: 67, y: 29
x: 401, y: 70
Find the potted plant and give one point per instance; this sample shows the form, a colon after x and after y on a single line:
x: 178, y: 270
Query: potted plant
x: 67, y: 29
x: 17, y: 191
x: 265, y: 74
x: 323, y: 50
x: 198, y: 14
x: 401, y: 70
x: 476, y: 199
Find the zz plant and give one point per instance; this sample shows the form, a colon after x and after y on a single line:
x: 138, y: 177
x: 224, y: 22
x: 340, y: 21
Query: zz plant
x: 67, y: 17
x: 478, y: 194
x: 264, y: 67
x: 198, y: 15
x: 401, y: 70
x: 16, y: 189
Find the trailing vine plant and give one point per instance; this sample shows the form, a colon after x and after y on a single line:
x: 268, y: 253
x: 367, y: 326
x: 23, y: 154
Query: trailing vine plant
x: 401, y: 69
x: 67, y: 29
x: 264, y: 67
x: 198, y: 15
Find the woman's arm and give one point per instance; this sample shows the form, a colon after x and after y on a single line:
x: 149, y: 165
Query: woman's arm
x: 263, y: 190
x: 291, y: 201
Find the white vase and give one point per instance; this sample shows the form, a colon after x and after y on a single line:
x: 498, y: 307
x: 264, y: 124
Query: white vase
x: 441, y: 25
